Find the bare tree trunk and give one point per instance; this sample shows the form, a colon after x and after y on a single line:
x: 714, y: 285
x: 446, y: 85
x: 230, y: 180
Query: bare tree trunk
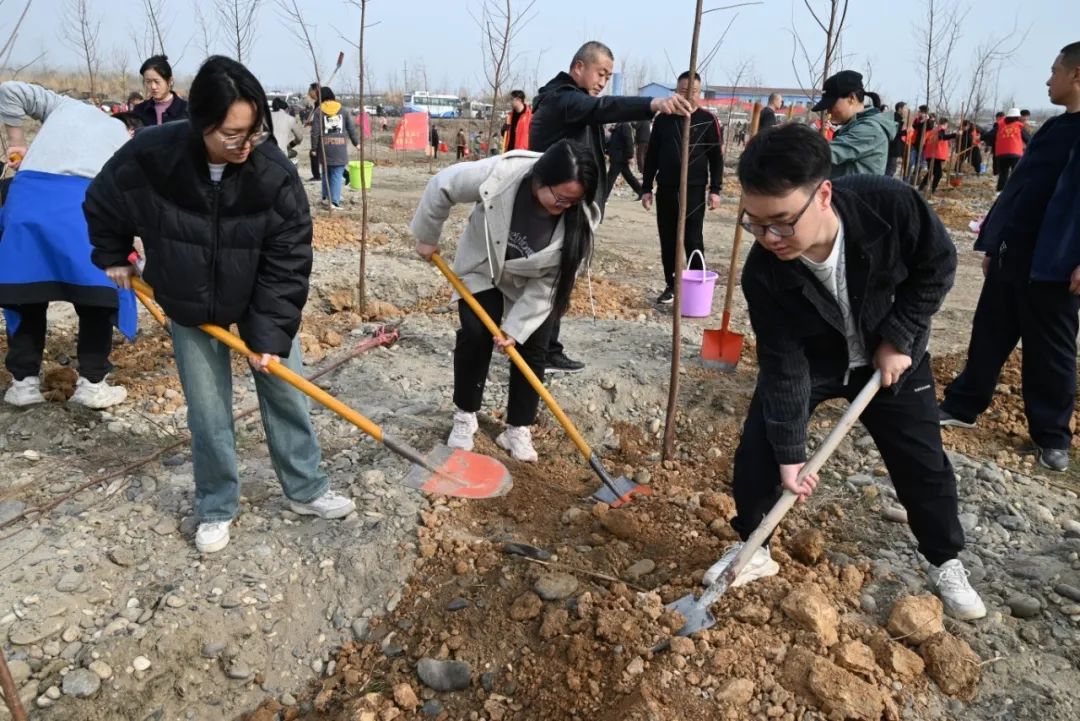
x: 361, y: 287
x: 9, y: 44
x: 680, y: 238
x: 499, y: 25
x: 238, y: 18
x: 81, y: 32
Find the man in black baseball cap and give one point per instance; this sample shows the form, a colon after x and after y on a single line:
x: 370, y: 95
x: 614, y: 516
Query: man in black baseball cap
x: 861, y: 145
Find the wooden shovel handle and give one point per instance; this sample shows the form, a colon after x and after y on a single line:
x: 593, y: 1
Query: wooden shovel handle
x: 787, y: 500
x: 537, y: 385
x: 276, y: 368
x: 733, y: 267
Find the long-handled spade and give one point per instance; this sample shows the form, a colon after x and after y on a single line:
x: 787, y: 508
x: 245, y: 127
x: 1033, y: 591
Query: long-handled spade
x: 443, y: 471
x: 697, y: 612
x: 616, y: 491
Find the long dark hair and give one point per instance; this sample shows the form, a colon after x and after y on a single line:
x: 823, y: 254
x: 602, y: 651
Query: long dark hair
x: 222, y: 81
x: 564, y: 161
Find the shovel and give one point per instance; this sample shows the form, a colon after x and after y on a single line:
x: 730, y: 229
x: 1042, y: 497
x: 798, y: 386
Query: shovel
x: 723, y: 347
x: 445, y: 471
x: 615, y: 492
x: 697, y: 612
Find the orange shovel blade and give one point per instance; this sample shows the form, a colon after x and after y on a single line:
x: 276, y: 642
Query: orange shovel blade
x: 723, y: 347
x: 460, y: 473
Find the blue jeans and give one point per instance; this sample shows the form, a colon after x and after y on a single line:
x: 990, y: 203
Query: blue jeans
x: 206, y: 376
x: 336, y: 175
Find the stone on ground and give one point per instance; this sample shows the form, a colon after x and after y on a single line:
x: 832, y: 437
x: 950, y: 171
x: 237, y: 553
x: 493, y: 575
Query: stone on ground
x: 807, y: 546
x: 952, y: 664
x: 555, y: 586
x: 808, y: 606
x: 737, y: 691
x: 914, y: 619
x: 444, y: 675
x: 527, y: 606
x: 839, y: 693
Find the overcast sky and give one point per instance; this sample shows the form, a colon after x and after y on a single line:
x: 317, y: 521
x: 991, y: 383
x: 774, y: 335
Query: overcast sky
x: 439, y: 36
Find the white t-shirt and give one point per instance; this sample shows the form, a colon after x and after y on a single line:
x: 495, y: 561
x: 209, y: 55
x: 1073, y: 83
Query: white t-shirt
x: 216, y: 171
x: 833, y: 275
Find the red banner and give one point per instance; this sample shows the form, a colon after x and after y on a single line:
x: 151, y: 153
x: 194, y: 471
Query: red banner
x: 412, y: 132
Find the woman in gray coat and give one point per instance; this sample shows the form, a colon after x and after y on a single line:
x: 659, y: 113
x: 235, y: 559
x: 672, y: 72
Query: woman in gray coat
x: 530, y: 230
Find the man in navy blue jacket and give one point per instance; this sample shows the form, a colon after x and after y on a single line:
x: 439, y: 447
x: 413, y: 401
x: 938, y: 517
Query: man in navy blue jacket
x: 1032, y: 287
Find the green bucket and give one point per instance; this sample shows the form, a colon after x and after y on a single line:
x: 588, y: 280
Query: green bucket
x: 356, y: 177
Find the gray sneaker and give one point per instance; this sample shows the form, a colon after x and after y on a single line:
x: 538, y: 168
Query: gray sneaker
x: 1056, y: 459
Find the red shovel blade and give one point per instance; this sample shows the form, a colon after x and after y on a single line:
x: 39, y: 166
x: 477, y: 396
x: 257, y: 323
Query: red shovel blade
x: 459, y: 473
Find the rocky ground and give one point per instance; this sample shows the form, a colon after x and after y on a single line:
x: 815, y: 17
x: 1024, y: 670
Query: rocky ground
x: 540, y: 604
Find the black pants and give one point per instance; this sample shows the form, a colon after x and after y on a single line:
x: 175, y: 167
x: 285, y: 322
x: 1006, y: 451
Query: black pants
x: 667, y: 224
x: 617, y: 168
x: 905, y: 428
x: 936, y: 169
x: 435, y: 152
x: 1006, y: 164
x: 639, y: 156
x: 316, y: 164
x: 975, y: 158
x: 1044, y: 317
x: 890, y: 166
x: 472, y: 357
x: 27, y: 346
x: 460, y: 152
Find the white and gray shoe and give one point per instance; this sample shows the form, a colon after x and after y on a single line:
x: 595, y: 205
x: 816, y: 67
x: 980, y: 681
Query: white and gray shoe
x: 950, y: 581
x: 329, y: 505
x: 212, y: 537
x: 26, y: 392
x: 518, y: 441
x: 761, y: 565
x: 98, y: 395
x: 461, y: 435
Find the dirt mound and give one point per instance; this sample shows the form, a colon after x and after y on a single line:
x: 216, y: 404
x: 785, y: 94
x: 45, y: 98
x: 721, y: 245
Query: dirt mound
x: 342, y: 231
x: 612, y: 300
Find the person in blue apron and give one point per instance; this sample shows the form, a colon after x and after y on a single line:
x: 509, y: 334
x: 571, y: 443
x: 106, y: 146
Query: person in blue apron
x: 45, y: 246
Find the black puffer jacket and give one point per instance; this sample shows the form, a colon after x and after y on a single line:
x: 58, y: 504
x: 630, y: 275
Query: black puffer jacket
x: 145, y: 111
x: 561, y: 109
x: 238, y: 251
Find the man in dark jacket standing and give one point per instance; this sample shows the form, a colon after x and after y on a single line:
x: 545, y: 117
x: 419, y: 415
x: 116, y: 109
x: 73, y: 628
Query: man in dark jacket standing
x: 844, y: 278
x: 663, y: 161
x: 570, y: 106
x: 642, y: 133
x: 1032, y: 288
x: 896, y: 145
x: 768, y: 113
x: 620, y: 153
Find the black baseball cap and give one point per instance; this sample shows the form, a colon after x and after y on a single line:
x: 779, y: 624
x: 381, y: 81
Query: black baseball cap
x: 838, y: 86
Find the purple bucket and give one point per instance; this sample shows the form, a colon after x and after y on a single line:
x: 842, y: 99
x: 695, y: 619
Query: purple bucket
x: 697, y: 290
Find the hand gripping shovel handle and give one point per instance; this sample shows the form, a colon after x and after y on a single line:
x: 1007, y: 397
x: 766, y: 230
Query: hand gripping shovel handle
x: 772, y: 520
x: 538, y: 386
x: 146, y: 293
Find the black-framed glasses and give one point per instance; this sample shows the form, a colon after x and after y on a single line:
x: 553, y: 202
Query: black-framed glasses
x: 562, y: 202
x: 781, y: 230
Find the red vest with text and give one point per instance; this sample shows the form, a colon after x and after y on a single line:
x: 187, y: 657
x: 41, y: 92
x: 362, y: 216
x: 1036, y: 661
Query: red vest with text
x: 1009, y: 139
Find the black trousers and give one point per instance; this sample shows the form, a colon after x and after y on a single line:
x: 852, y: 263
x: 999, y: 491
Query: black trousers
x: 1006, y: 164
x: 617, y: 168
x: 905, y: 428
x: 27, y: 345
x: 316, y: 164
x: 460, y: 152
x: 936, y: 169
x: 975, y: 158
x: 472, y: 357
x: 890, y: 166
x: 667, y: 224
x: 1045, y: 317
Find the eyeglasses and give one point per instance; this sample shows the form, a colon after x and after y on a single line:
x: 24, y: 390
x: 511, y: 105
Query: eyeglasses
x: 235, y: 142
x: 781, y: 230
x: 560, y: 201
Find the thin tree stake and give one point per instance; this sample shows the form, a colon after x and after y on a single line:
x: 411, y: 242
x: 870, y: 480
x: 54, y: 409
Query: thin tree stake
x: 11, y: 694
x: 680, y: 238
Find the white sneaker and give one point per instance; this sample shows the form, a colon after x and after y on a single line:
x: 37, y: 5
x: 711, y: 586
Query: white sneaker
x: 97, y: 395
x: 212, y: 537
x: 950, y: 581
x: 26, y: 392
x: 329, y: 505
x: 518, y: 440
x: 761, y: 565
x: 461, y: 436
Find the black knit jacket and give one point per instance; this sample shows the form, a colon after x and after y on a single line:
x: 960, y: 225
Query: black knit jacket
x: 900, y: 265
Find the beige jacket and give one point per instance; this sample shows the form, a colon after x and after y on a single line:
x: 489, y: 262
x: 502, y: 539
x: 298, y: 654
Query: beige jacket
x: 480, y: 262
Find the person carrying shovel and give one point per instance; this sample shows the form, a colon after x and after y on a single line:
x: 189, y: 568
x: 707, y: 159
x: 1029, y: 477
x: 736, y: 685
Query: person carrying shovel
x: 530, y: 229
x: 844, y: 279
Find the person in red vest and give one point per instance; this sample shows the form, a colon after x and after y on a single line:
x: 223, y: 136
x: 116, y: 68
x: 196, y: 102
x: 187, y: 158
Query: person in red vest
x: 1009, y: 139
x: 516, y: 130
x: 936, y: 146
x: 988, y: 138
